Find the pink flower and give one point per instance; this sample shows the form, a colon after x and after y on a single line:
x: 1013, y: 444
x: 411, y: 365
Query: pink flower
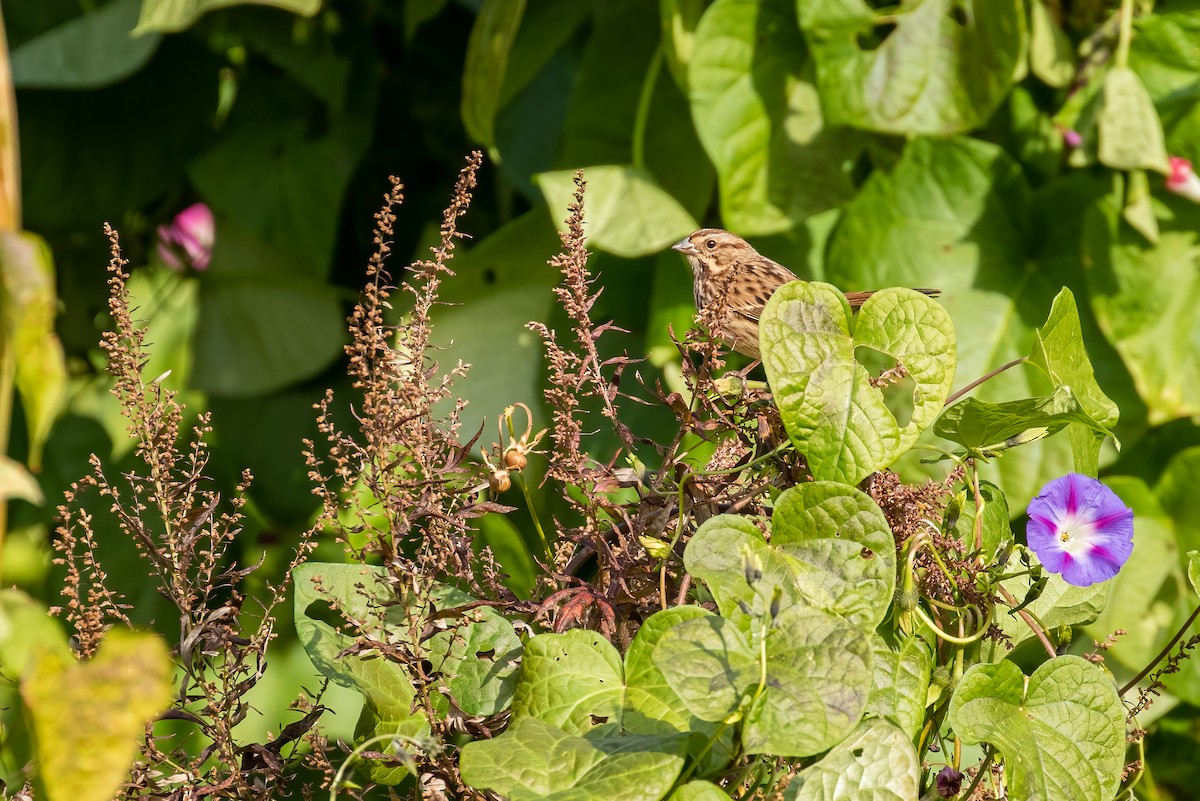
x: 188, y: 240
x: 1071, y: 138
x: 1080, y: 528
x: 1182, y: 180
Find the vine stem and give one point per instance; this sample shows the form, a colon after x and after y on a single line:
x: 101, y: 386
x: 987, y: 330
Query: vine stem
x: 1129, y: 685
x: 643, y: 109
x: 985, y: 377
x: 1034, y: 626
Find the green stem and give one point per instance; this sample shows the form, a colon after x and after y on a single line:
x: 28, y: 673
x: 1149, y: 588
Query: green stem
x: 533, y: 515
x: 983, y: 769
x: 643, y: 109
x: 1125, y: 33
x: 359, y: 749
x: 757, y: 460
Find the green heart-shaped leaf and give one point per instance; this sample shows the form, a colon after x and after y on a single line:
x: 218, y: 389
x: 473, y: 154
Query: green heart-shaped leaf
x: 535, y: 760
x: 831, y: 548
x: 809, y: 680
x: 1062, y: 735
x: 832, y: 413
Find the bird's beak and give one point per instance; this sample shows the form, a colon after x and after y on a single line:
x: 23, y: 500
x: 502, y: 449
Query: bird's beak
x: 685, y: 247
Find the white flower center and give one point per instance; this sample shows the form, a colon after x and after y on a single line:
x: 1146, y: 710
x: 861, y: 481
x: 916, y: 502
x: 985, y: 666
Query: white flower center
x: 1076, y: 534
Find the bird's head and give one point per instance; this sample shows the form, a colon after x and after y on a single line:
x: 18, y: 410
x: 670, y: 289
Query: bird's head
x: 714, y: 248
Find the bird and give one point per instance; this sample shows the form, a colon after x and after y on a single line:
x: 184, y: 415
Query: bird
x: 724, y: 264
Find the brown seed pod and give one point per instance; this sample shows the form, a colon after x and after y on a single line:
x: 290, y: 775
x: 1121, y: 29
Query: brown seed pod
x: 500, y: 482
x: 514, y: 459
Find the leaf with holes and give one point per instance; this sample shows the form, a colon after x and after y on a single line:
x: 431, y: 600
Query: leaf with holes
x: 833, y: 414
x: 927, y: 67
x: 876, y: 762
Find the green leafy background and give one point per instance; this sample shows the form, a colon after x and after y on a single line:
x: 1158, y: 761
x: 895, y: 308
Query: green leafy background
x: 926, y: 149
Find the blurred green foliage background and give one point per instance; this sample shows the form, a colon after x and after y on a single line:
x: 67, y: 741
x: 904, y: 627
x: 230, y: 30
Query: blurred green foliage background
x: 998, y: 150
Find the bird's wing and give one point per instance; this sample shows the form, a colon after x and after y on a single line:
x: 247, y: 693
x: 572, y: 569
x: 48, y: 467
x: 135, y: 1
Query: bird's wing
x: 754, y: 285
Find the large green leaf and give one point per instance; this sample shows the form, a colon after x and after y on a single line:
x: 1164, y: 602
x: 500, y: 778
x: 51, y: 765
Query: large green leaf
x: 499, y: 285
x: 176, y: 15
x: 1059, y: 350
x: 818, y: 681
x: 990, y: 429
x: 955, y: 214
x: 385, y: 684
x: 536, y: 761
x: 573, y: 681
x: 709, y: 664
x: 835, y: 417
x: 1131, y: 136
x: 759, y: 117
x: 942, y: 66
x: 831, y: 548
x: 89, y: 718
x: 901, y: 683
x: 259, y: 333
x: 656, y: 708
x: 29, y: 302
x: 1146, y: 298
x: 576, y: 682
x: 1061, y: 732
x: 477, y: 661
x: 877, y: 762
x: 86, y: 52
x: 806, y: 678
x: 627, y: 212
x: 488, y: 50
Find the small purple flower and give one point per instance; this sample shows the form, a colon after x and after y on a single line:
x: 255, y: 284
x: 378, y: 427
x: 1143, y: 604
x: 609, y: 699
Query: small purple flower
x: 1071, y: 138
x: 1080, y: 528
x: 188, y: 240
x: 949, y: 782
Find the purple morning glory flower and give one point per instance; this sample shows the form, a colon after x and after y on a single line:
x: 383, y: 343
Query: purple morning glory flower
x: 1080, y: 528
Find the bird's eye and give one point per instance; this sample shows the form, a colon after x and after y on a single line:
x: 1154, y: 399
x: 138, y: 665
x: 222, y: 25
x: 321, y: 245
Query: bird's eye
x: 710, y: 244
